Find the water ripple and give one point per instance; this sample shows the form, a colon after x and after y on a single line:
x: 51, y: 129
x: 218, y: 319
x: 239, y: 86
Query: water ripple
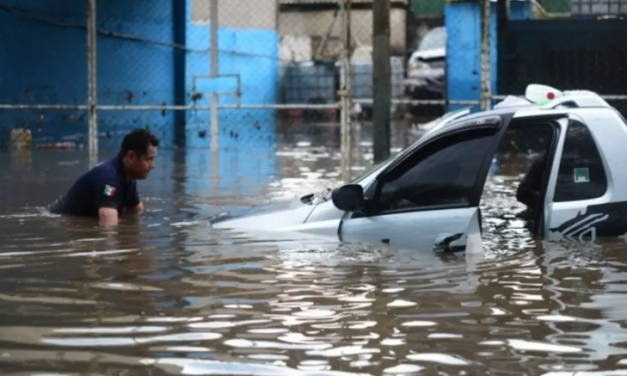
x: 169, y: 296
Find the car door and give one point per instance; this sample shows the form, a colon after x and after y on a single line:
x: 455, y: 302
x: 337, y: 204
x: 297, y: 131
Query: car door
x: 578, y: 200
x: 430, y: 199
x: 528, y: 134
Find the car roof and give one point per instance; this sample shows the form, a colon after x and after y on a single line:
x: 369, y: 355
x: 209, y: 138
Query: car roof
x: 570, y: 102
x: 466, y: 121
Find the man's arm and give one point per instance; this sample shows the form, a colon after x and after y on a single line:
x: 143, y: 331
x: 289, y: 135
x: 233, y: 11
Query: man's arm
x: 107, y: 201
x: 108, y: 216
x: 137, y: 209
x: 134, y: 205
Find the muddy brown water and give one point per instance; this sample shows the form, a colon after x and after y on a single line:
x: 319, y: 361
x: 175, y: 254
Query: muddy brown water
x: 167, y: 295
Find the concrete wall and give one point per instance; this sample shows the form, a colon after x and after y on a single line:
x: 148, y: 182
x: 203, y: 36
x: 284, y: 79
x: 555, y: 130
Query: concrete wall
x: 237, y: 14
x: 317, y: 23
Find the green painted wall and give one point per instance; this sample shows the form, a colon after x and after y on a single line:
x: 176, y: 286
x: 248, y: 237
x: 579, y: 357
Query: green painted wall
x: 427, y: 8
x: 556, y: 6
x: 435, y: 8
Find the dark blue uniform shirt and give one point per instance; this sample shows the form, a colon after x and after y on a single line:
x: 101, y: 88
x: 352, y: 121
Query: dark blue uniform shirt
x: 104, y: 186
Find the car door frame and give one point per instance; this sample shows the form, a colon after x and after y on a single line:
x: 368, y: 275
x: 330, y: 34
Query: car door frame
x: 542, y: 219
x: 496, y: 122
x: 559, y: 122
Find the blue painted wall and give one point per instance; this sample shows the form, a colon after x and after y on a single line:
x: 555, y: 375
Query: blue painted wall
x: 463, y: 51
x: 463, y: 24
x: 247, y: 160
x: 136, y: 72
x: 45, y: 61
x: 41, y: 63
x: 253, y: 54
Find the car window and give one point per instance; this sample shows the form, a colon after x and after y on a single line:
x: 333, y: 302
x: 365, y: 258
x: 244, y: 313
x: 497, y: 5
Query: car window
x: 581, y: 173
x: 444, y: 175
x: 433, y: 125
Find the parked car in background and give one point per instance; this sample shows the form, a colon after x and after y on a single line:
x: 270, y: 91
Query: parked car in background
x: 426, y: 73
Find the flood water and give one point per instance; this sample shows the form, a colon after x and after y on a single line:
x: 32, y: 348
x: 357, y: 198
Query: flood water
x: 166, y: 295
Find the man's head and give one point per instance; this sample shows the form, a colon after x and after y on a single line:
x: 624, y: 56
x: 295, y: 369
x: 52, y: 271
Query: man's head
x: 138, y: 152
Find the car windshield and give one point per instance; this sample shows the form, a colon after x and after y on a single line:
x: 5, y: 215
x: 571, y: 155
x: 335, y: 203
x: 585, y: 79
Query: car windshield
x: 435, y: 38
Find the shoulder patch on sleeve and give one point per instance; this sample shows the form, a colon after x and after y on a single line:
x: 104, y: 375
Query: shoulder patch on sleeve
x: 109, y: 190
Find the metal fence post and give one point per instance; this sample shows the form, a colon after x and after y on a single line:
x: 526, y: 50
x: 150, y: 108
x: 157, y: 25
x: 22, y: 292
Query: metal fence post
x: 345, y: 92
x: 92, y: 80
x: 214, y: 20
x: 486, y: 61
x: 213, y: 10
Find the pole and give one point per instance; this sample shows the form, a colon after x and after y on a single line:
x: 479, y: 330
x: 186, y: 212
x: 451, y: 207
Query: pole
x: 213, y: 10
x: 486, y: 71
x: 92, y: 80
x: 381, y: 80
x: 345, y: 93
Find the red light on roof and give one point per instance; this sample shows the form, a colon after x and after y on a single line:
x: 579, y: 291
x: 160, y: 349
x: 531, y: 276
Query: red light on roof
x: 550, y: 95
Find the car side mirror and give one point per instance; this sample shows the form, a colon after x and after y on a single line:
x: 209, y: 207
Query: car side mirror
x: 349, y: 197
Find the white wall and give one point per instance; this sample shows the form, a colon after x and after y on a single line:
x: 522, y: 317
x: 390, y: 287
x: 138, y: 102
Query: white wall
x: 239, y: 14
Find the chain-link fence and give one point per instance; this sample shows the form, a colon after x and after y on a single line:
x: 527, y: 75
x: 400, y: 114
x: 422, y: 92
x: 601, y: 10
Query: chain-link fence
x: 77, y: 75
x: 566, y: 8
x: 39, y: 96
x: 568, y: 44
x: 497, y: 48
x: 237, y: 73
x: 198, y: 73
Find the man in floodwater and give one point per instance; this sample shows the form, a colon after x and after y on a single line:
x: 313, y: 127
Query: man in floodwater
x: 110, y: 187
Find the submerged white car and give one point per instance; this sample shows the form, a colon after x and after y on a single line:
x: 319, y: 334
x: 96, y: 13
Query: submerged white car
x: 428, y: 196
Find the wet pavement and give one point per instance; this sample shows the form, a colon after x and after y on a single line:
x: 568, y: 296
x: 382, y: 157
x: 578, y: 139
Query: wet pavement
x: 167, y: 295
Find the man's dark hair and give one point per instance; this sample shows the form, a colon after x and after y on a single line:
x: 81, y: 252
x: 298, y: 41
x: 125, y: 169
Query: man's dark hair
x: 138, y: 140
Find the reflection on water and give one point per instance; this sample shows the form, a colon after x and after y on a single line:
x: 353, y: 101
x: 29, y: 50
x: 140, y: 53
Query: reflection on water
x: 166, y: 295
